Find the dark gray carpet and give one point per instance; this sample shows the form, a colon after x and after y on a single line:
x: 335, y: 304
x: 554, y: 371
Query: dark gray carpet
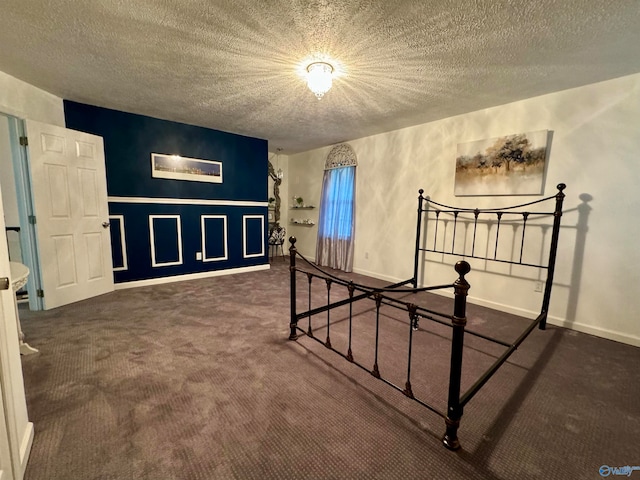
x: 197, y: 380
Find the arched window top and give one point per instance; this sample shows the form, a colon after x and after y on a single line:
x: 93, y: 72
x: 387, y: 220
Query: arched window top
x: 341, y: 156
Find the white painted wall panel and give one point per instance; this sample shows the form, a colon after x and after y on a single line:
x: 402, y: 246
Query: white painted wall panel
x: 26, y: 101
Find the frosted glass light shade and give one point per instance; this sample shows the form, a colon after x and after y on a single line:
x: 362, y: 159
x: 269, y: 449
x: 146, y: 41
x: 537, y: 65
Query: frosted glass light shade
x: 319, y: 78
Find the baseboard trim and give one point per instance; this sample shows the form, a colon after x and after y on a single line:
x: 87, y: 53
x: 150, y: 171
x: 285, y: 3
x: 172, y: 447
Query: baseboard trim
x: 387, y: 278
x: 311, y: 258
x: 189, y: 276
x: 596, y: 331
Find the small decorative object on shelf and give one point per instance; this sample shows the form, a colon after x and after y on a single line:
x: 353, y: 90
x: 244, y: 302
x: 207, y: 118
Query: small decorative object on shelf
x: 302, y: 221
x: 298, y: 202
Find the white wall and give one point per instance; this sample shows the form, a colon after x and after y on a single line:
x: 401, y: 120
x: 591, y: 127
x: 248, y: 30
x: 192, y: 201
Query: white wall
x: 305, y: 180
x: 23, y: 100
x: 594, y: 151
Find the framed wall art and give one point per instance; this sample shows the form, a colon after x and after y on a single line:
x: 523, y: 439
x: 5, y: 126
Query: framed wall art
x: 176, y: 167
x: 508, y: 165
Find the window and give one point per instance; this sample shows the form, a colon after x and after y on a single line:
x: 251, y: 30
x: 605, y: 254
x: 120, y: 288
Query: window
x: 337, y: 203
x: 336, y: 224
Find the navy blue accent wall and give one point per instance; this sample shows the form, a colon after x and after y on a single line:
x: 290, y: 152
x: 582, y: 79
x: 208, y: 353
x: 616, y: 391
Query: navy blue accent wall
x: 129, y: 141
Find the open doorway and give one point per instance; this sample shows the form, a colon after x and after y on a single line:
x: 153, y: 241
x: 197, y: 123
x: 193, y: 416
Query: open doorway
x: 18, y: 207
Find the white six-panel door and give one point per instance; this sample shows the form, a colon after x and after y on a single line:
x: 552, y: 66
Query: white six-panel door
x: 68, y: 183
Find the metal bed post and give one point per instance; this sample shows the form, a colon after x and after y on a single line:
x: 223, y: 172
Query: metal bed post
x: 459, y: 320
x: 413, y: 325
x: 378, y: 298
x: 309, y: 278
x: 557, y: 215
x: 415, y: 260
x: 327, y: 343
x: 292, y: 271
x: 351, y: 287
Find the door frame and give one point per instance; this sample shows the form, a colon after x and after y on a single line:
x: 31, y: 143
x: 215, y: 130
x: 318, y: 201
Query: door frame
x: 22, y: 175
x: 19, y: 430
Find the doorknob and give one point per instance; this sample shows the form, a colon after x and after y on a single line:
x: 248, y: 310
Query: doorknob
x: 105, y: 224
x: 4, y: 283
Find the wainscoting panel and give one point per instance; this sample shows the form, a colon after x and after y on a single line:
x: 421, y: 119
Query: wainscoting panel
x: 214, y: 238
x: 184, y: 239
x: 165, y: 240
x: 253, y: 236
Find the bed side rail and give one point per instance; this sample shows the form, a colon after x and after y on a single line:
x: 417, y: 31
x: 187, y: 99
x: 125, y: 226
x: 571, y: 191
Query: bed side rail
x: 381, y: 296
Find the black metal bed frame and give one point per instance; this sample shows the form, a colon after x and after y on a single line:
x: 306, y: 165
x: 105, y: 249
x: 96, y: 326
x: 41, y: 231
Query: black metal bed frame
x: 456, y: 321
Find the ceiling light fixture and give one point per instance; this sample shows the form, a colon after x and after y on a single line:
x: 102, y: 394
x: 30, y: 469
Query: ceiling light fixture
x: 319, y: 78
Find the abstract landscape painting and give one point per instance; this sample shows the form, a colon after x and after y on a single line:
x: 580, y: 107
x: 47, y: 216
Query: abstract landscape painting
x: 509, y: 165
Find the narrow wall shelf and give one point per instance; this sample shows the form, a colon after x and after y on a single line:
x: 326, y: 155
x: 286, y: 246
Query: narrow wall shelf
x: 305, y: 222
x: 306, y: 207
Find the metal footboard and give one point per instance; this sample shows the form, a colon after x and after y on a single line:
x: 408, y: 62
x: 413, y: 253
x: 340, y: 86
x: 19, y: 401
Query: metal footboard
x: 382, y: 296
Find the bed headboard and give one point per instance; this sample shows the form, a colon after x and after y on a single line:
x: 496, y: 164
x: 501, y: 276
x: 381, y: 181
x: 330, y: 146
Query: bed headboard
x: 451, y: 241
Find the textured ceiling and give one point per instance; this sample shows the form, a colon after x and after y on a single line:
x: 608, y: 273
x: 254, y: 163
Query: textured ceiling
x: 234, y: 65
